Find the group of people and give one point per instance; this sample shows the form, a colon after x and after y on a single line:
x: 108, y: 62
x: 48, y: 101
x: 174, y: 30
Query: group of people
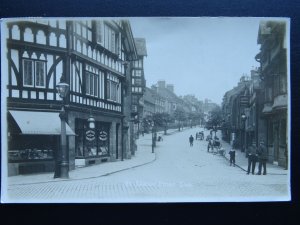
x: 253, y: 153
x: 213, y: 142
x: 260, y: 155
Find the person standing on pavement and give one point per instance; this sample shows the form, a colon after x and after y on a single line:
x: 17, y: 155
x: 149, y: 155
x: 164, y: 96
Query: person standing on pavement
x: 252, y: 158
x: 191, y: 139
x: 232, y: 156
x: 209, y: 144
x: 262, y: 158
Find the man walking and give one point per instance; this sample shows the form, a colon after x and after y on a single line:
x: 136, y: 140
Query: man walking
x: 232, y: 156
x: 252, y: 158
x: 262, y: 158
x: 191, y: 139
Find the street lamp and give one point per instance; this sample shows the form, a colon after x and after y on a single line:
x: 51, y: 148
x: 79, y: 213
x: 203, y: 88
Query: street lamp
x: 63, y: 89
x: 91, y: 122
x: 244, y: 117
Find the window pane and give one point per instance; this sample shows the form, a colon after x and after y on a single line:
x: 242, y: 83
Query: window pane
x: 99, y: 32
x: 138, y: 81
x: 91, y: 84
x: 28, y: 69
x: 283, y: 84
x: 108, y: 89
x: 96, y: 85
x: 114, y: 91
x: 40, y: 74
x: 113, y: 42
x: 87, y: 83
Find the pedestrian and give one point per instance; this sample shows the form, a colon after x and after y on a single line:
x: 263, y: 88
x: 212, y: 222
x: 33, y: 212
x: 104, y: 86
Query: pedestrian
x: 262, y: 158
x: 252, y: 158
x: 210, y: 145
x: 191, y: 139
x: 232, y: 156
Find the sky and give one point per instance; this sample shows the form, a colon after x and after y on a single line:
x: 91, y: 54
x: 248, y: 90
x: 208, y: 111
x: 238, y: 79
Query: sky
x: 201, y: 56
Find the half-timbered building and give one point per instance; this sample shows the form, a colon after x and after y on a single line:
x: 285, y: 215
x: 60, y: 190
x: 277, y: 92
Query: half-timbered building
x: 86, y: 54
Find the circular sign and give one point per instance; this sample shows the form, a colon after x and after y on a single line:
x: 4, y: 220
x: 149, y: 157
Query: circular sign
x: 90, y: 135
x: 103, y: 136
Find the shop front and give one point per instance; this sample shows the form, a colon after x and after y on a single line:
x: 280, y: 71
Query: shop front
x: 97, y: 140
x: 33, y: 140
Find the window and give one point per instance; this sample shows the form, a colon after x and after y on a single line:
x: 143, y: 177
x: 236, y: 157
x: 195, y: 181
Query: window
x: 91, y: 142
x: 28, y: 73
x: 276, y: 85
x: 283, y: 84
x: 137, y: 73
x: 268, y: 94
x: 107, y: 37
x: 40, y: 74
x: 99, y: 32
x: 34, y: 73
x: 111, y: 90
x: 31, y: 147
x: 138, y: 63
x: 92, y: 84
x: 137, y: 81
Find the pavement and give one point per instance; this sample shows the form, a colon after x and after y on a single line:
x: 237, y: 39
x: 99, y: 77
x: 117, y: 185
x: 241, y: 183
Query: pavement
x: 142, y: 157
x: 241, y: 161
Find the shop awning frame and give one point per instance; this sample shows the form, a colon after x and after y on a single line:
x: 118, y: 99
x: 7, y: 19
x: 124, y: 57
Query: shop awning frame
x: 39, y: 123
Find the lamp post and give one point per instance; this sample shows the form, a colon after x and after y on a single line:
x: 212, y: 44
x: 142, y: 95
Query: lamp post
x: 244, y: 117
x: 63, y: 89
x: 153, y: 136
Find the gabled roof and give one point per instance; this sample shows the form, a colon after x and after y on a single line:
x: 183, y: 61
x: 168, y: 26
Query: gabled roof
x: 140, y: 44
x: 129, y: 43
x: 149, y: 95
x: 168, y: 94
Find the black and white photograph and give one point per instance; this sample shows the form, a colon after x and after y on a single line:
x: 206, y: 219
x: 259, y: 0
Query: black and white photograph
x: 145, y: 109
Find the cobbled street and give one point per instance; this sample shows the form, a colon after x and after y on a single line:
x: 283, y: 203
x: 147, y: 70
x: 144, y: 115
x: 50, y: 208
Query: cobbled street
x: 179, y: 173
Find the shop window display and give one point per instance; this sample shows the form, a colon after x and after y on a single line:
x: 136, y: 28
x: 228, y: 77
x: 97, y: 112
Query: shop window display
x: 92, y: 142
x: 31, y: 147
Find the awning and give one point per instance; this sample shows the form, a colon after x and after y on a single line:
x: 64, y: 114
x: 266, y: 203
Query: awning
x: 280, y: 102
x: 267, y: 108
x: 39, y: 123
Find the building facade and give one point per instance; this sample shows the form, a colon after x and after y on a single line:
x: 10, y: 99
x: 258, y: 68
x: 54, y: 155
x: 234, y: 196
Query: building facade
x: 138, y: 86
x: 264, y: 99
x: 86, y: 54
x: 273, y: 60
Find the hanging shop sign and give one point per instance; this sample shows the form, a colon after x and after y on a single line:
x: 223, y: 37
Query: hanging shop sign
x: 90, y: 135
x: 244, y: 100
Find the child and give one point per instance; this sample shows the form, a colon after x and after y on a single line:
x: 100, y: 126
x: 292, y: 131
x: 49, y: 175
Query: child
x: 232, y: 157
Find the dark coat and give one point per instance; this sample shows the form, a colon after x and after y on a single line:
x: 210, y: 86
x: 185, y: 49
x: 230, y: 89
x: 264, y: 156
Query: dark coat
x: 232, y: 153
x: 251, y: 151
x: 262, y: 152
